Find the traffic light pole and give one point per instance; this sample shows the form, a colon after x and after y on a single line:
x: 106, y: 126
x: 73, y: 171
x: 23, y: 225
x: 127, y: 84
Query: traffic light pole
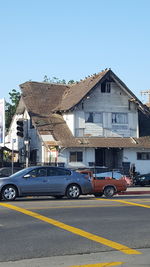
x: 12, y: 157
x: 26, y: 142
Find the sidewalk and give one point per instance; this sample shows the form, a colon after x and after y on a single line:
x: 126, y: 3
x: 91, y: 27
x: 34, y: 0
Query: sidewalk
x: 136, y: 190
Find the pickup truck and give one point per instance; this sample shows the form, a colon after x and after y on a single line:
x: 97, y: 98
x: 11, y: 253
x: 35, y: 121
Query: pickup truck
x: 105, y: 185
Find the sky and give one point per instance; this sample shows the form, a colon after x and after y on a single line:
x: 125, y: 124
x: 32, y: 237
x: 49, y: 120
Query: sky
x: 71, y: 39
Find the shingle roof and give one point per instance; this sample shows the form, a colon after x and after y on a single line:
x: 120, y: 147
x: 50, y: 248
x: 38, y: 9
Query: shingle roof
x: 79, y: 90
x: 43, y: 100
x: 113, y: 142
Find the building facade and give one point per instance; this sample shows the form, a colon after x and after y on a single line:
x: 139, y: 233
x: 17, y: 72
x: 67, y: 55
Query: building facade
x: 94, y: 122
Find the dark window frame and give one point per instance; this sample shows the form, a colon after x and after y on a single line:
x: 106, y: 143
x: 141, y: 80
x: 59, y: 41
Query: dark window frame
x: 116, y: 120
x: 76, y: 156
x: 91, y: 117
x: 106, y: 87
x: 143, y: 155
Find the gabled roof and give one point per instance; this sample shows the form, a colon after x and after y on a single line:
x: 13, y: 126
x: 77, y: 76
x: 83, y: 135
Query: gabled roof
x: 79, y: 91
x: 46, y: 98
x: 45, y: 102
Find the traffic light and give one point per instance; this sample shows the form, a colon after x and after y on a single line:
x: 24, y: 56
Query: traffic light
x: 20, y: 128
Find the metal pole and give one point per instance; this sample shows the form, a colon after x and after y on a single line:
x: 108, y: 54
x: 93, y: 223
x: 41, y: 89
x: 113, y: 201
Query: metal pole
x: 27, y: 154
x: 12, y: 157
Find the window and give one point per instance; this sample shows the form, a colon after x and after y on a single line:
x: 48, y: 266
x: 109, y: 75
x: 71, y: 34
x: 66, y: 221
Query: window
x: 105, y: 87
x: 94, y: 117
x: 58, y: 171
x: 143, y: 155
x: 76, y: 156
x: 39, y: 172
x: 119, y: 118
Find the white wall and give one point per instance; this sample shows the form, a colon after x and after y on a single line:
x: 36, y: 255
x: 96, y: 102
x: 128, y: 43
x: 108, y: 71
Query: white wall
x: 88, y: 156
x: 130, y: 155
x: 107, y: 103
x: 69, y: 118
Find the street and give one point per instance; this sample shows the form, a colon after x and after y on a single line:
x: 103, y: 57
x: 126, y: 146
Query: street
x: 83, y: 232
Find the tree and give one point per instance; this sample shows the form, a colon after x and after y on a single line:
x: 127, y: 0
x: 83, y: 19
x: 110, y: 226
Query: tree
x: 10, y: 108
x: 57, y: 80
x: 71, y: 82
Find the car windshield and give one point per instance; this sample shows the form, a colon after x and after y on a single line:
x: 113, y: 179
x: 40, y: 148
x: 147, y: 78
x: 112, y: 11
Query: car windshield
x: 22, y: 173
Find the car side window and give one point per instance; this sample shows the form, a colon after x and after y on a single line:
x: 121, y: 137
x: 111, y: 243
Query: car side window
x: 63, y: 172
x: 41, y: 172
x: 58, y: 172
x: 38, y: 172
x: 32, y: 173
x: 51, y: 172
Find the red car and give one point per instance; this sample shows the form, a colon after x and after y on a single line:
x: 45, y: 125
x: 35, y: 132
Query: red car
x: 105, y: 185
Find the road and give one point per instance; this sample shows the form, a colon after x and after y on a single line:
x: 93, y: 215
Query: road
x: 84, y: 232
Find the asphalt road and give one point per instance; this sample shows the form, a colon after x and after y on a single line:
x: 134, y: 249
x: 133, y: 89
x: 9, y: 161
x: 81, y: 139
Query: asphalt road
x: 30, y: 240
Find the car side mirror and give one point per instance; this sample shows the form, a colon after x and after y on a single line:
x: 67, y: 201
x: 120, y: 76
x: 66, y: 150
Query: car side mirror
x: 27, y: 176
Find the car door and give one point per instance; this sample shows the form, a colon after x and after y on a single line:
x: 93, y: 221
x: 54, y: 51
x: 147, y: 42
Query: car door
x: 35, y: 182
x: 58, y: 179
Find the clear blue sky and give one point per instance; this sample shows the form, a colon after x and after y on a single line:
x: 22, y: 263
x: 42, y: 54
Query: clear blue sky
x: 71, y: 39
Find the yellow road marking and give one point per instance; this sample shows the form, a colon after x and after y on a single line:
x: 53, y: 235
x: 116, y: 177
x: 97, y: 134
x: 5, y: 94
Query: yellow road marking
x: 74, y: 230
x: 75, y: 207
x: 125, y: 202
x: 105, y: 264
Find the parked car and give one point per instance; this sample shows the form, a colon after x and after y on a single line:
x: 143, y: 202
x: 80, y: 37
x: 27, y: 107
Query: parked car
x: 104, y: 184
x: 142, y: 180
x: 7, y: 171
x: 97, y: 172
x: 116, y: 175
x: 44, y: 180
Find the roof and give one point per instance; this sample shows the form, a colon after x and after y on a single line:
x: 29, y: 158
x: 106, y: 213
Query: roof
x: 79, y: 90
x: 42, y: 98
x: 115, y: 142
x: 45, y: 102
x: 46, y: 98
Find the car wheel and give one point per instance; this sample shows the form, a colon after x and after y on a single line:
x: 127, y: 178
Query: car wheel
x: 98, y: 194
x: 73, y: 191
x: 109, y: 191
x: 9, y: 193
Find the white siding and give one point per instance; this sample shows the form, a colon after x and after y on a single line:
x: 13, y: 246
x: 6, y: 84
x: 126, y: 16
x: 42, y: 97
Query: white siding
x: 130, y: 155
x: 116, y: 101
x: 93, y: 129
x: 69, y: 118
x: 88, y: 156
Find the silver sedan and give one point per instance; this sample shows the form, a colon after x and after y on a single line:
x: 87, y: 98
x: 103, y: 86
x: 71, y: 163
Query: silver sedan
x: 44, y: 181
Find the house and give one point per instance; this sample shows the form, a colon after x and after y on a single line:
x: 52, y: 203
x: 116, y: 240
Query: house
x: 97, y: 121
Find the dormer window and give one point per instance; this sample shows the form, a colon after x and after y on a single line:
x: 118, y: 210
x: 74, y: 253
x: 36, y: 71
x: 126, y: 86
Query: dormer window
x: 106, y: 87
